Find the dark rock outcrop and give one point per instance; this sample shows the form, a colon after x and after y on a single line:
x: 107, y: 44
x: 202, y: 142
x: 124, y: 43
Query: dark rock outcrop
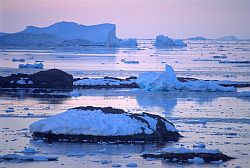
x: 53, y: 78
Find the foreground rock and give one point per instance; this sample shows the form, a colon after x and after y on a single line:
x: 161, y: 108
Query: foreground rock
x: 53, y: 78
x: 191, y: 156
x: 97, y: 124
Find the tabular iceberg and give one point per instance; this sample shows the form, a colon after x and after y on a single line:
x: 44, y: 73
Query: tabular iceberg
x: 65, y: 34
x: 167, y: 81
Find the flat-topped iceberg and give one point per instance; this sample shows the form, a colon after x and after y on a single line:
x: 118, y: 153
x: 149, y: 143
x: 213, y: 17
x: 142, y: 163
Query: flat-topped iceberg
x: 165, y: 41
x: 167, y: 81
x: 63, y: 34
x: 104, y: 124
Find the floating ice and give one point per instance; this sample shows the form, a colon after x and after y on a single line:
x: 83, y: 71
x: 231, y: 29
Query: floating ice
x: 167, y: 81
x: 131, y: 165
x: 164, y: 41
x: 18, y: 60
x: 33, y: 66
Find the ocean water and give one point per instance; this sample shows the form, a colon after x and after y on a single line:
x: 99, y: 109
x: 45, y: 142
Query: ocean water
x: 220, y: 120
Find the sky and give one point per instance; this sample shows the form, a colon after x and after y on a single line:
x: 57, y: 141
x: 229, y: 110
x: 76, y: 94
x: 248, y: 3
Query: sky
x: 134, y: 18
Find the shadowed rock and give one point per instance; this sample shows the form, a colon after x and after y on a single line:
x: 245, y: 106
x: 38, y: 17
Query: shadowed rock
x: 53, y: 78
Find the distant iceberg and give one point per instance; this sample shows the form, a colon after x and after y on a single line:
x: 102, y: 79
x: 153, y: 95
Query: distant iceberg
x: 167, y: 81
x: 228, y: 38
x: 35, y: 66
x: 198, y: 38
x: 165, y: 41
x: 65, y: 34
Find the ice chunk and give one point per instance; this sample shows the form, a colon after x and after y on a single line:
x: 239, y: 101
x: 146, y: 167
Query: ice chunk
x: 164, y: 41
x: 131, y: 165
x: 167, y: 81
x: 35, y: 66
x: 29, y: 150
x: 196, y: 160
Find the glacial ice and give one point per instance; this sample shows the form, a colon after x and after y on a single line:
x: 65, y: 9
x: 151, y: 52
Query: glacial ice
x: 67, y: 34
x: 167, y: 81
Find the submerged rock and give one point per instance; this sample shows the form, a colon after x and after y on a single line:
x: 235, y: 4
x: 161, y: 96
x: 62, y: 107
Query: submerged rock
x: 188, y: 155
x: 53, y: 78
x: 97, y: 124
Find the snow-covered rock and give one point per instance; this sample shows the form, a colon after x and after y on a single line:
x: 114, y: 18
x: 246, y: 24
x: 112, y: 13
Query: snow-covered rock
x: 165, y: 41
x: 106, y: 82
x: 33, y: 66
x: 167, y: 81
x: 101, y: 124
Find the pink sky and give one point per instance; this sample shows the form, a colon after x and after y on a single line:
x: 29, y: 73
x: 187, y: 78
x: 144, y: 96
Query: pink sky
x: 134, y: 18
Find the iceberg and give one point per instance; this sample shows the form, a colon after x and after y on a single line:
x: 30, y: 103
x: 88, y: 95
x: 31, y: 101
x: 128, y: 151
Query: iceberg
x: 35, y: 66
x: 228, y: 38
x: 165, y: 41
x: 167, y: 81
x: 65, y: 34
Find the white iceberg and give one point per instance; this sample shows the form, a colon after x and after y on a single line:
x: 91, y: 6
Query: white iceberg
x: 165, y: 41
x: 167, y: 81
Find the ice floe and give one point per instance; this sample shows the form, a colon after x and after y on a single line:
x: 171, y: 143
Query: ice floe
x: 27, y: 158
x: 167, y: 81
x: 32, y: 66
x: 18, y: 60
